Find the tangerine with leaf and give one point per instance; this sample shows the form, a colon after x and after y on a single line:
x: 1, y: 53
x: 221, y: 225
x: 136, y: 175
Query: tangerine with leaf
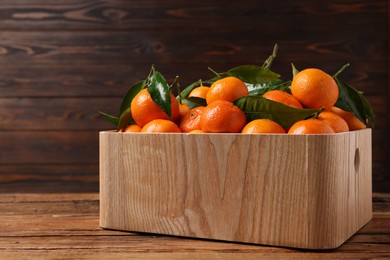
x: 144, y: 109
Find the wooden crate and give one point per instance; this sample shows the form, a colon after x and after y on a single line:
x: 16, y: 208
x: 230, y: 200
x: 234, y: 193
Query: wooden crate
x: 304, y: 191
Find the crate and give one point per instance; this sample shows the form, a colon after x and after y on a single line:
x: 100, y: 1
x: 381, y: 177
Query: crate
x: 303, y: 191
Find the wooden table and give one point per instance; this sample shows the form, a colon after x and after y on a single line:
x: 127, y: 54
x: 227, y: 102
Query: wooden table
x: 66, y: 226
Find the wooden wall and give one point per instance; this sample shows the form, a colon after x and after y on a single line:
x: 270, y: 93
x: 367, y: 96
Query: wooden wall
x: 62, y: 61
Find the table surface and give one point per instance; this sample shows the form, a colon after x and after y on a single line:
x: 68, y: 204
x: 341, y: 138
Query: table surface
x: 66, y: 226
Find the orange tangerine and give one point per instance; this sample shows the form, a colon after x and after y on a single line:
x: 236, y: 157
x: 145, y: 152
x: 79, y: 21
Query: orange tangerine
x: 310, y: 126
x: 200, y: 92
x: 353, y: 122
x: 335, y: 121
x: 161, y: 126
x: 315, y: 89
x: 144, y: 109
x: 263, y: 126
x: 228, y: 89
x: 222, y: 117
x: 283, y: 97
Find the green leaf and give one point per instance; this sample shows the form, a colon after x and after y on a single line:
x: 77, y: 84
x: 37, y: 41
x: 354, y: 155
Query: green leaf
x: 159, y: 91
x: 253, y: 74
x: 368, y: 111
x: 131, y: 93
x: 260, y: 89
x: 256, y: 107
x: 192, y: 102
x: 112, y: 119
x: 353, y: 101
x: 125, y: 119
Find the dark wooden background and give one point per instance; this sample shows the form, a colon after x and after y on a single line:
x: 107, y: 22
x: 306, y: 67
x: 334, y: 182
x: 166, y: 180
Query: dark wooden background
x: 62, y: 61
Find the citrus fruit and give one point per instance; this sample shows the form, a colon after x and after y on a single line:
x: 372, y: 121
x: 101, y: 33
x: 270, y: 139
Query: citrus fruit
x: 200, y: 92
x: 315, y: 89
x: 310, y: 126
x: 131, y: 128
x: 228, y: 89
x: 161, y: 126
x: 283, y: 97
x: 353, y: 122
x: 222, y: 117
x: 335, y: 121
x: 183, y: 109
x: 262, y: 126
x: 144, y: 109
x: 191, y: 121
x: 196, y: 132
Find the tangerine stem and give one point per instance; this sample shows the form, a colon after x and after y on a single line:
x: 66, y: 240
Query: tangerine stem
x: 267, y: 63
x: 341, y: 70
x: 152, y: 70
x: 213, y: 71
x: 318, y: 113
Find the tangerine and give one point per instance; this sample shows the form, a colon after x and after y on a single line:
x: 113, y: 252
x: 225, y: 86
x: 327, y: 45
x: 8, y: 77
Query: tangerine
x: 335, y: 121
x: 144, y: 109
x: 184, y: 109
x: 161, y: 126
x: 222, y: 117
x: 196, y: 132
x: 191, y: 121
x: 200, y: 92
x: 228, y: 89
x: 310, y: 126
x: 353, y: 122
x: 263, y: 126
x: 131, y: 128
x: 283, y: 97
x: 315, y: 88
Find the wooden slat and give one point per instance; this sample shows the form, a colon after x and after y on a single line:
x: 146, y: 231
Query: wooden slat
x: 91, y: 47
x: 89, y: 14
x: 55, y: 197
x: 53, y: 178
x: 49, y: 146
x: 57, y: 113
x: 108, y: 80
x: 58, y: 80
x: 66, y: 226
x: 14, y: 173
x: 232, y: 254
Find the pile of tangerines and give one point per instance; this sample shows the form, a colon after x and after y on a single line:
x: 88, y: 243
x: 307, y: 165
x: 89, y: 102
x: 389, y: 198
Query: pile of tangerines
x: 247, y: 99
x: 310, y: 88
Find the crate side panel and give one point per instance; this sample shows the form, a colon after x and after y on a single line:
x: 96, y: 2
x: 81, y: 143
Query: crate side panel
x: 334, y: 188
x: 363, y: 173
x: 110, y: 170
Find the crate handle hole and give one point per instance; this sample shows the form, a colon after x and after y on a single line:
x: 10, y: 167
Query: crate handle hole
x: 356, y: 161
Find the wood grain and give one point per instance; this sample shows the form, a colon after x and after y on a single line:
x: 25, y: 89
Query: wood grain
x: 66, y: 226
x: 238, y: 187
x: 49, y: 146
x: 93, y: 15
